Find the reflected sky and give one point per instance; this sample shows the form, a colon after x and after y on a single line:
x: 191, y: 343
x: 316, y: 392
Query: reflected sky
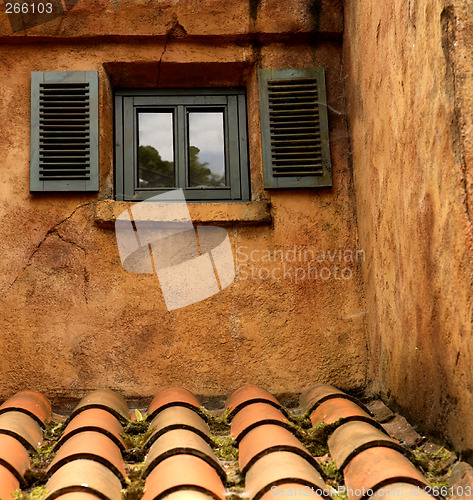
x: 206, y: 133
x: 155, y: 129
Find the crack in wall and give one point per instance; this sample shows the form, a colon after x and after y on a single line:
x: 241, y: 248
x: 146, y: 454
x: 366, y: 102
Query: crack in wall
x: 175, y: 31
x: 51, y: 231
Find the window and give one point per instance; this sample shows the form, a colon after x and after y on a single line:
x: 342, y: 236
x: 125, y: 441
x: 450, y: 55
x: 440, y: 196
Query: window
x: 294, y: 128
x: 64, y: 131
x: 189, y: 138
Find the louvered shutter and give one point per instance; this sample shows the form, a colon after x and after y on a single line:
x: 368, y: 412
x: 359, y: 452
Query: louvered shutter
x: 294, y: 128
x: 64, y: 131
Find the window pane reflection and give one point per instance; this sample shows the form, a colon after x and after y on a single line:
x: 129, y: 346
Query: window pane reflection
x: 206, y: 149
x: 156, y: 167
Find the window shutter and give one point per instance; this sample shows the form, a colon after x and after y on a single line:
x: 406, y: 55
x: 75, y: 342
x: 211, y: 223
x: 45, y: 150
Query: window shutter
x: 64, y: 131
x: 294, y: 128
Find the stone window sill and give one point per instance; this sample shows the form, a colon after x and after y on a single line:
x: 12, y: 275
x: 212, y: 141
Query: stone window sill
x: 221, y: 214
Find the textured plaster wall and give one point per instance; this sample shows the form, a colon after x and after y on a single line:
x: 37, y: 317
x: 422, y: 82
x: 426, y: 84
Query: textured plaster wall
x: 71, y: 319
x: 409, y: 93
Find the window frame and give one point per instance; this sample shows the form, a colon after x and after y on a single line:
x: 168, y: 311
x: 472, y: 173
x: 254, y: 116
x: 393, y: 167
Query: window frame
x: 128, y: 104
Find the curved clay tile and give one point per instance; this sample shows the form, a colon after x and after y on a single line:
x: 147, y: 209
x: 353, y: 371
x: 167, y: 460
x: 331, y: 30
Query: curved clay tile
x: 353, y: 438
x: 183, y: 472
x: 33, y: 404
x: 84, y: 476
x: 91, y: 446
x: 280, y: 468
x: 291, y: 490
x: 97, y: 420
x: 319, y: 393
x: 14, y: 456
x: 376, y: 467
x: 253, y: 416
x: 173, y: 396
x: 249, y: 394
x: 22, y: 427
x: 177, y: 417
x: 333, y: 410
x: 8, y: 483
x: 401, y: 490
x: 269, y: 439
x: 106, y: 400
x: 181, y: 442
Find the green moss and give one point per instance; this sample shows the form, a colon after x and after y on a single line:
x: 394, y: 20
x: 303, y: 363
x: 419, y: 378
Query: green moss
x: 218, y: 425
x: 301, y: 420
x: 135, y: 482
x: 331, y: 471
x: 54, y: 430
x: 135, y: 435
x: 434, y: 466
x: 38, y: 493
x: 136, y: 427
x: 224, y: 448
x: 315, y: 438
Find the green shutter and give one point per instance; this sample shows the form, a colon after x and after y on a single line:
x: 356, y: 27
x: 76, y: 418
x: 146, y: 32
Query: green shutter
x: 64, y: 131
x: 294, y: 128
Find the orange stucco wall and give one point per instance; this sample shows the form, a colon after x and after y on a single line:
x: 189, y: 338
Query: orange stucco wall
x: 409, y: 92
x: 72, y: 319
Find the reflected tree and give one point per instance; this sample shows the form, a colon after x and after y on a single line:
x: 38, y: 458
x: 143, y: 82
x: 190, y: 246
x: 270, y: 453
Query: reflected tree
x: 199, y: 173
x: 155, y: 172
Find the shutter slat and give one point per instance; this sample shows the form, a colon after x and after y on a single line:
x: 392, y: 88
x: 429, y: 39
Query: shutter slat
x: 56, y: 101
x: 287, y: 109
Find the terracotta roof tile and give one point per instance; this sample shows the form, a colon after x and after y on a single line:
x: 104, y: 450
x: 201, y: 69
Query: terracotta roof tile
x: 94, y: 419
x: 106, y: 400
x: 21, y: 427
x: 8, y: 483
x: 246, y: 395
x: 14, y: 456
x: 400, y: 428
x: 379, y: 410
x: 280, y: 468
x: 188, y: 495
x: 376, y: 467
x: 337, y: 409
x: 192, y: 452
x: 354, y: 437
x: 177, y: 417
x: 78, y: 496
x: 85, y: 476
x: 82, y: 495
x: 174, y: 396
x: 291, y: 490
x: 401, y: 490
x: 181, y: 442
x: 91, y: 446
x: 183, y: 472
x: 317, y: 394
x: 254, y: 415
x: 269, y: 439
x: 32, y: 403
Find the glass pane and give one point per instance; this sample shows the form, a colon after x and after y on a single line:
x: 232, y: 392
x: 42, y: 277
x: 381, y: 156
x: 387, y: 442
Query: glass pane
x: 206, y: 149
x: 156, y: 150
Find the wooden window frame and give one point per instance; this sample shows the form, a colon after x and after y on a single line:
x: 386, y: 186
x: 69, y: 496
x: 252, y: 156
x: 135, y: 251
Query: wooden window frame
x: 128, y: 104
